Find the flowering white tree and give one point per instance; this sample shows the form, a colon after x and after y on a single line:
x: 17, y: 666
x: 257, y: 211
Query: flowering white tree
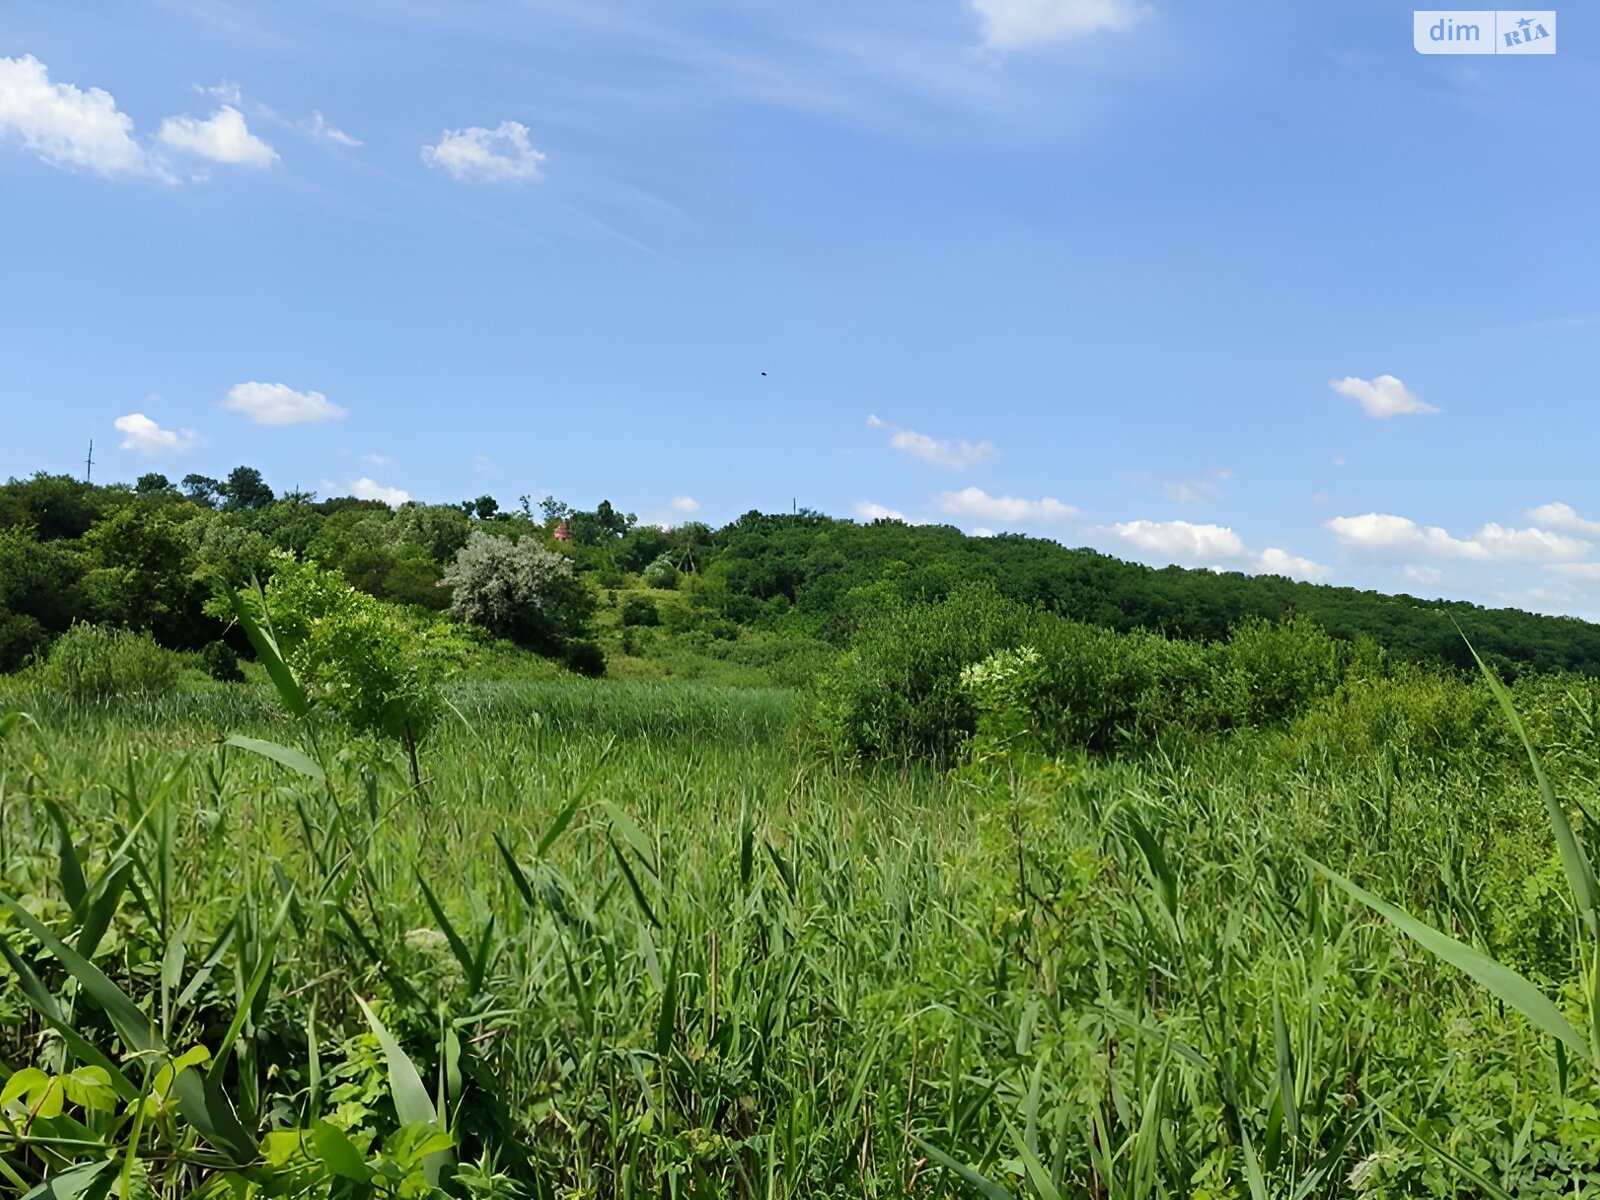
x: 517, y: 590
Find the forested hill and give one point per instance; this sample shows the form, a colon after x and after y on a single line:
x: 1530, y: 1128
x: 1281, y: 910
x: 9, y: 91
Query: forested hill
x: 818, y: 563
x: 149, y: 556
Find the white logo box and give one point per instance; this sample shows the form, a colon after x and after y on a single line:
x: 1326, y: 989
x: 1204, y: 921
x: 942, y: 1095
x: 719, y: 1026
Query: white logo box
x: 1484, y: 31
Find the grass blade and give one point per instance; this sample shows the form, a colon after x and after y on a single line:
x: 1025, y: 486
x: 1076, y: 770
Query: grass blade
x: 1510, y: 988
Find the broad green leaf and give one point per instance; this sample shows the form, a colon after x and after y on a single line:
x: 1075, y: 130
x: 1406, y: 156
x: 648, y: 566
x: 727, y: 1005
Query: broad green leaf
x: 32, y: 1088
x: 412, y: 1104
x: 1037, y: 1175
x: 250, y: 607
x: 90, y: 1088
x: 73, y: 884
x: 1510, y: 988
x: 411, y: 1099
x: 288, y: 756
x: 281, y: 1146
x: 1574, y: 861
x: 338, y: 1153
x: 74, y: 1183
x: 130, y: 1021
x: 559, y: 825
x: 45, y: 1005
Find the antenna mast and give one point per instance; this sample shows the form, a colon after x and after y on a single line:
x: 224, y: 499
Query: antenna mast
x: 88, y: 465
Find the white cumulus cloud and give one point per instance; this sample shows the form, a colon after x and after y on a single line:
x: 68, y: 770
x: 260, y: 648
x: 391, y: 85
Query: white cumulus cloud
x: 1563, y: 516
x: 223, y: 137
x: 685, y: 504
x: 1016, y: 24
x: 867, y: 510
x: 479, y: 155
x: 144, y: 436
x: 952, y: 456
x: 64, y: 126
x: 1381, y: 398
x: 977, y: 504
x: 1387, y: 534
x: 368, y: 489
x: 1183, y: 541
x: 280, y: 404
x: 1586, y: 570
x: 1273, y: 561
x: 1217, y: 546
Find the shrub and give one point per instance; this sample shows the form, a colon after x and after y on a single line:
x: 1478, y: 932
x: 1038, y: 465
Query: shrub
x: 364, y: 660
x: 1268, y: 672
x: 21, y: 639
x: 89, y: 663
x: 585, y: 657
x: 219, y: 661
x: 899, y: 692
x: 896, y: 693
x: 517, y: 590
x: 661, y: 574
x: 640, y: 610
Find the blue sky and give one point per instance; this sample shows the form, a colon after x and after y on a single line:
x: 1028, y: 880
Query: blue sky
x: 1254, y: 286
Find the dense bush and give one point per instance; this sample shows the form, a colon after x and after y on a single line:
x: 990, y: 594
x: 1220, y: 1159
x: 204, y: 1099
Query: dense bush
x: 585, y: 657
x: 517, y: 590
x: 221, y: 662
x: 660, y: 574
x: 363, y: 660
x: 93, y: 662
x: 640, y: 610
x: 897, y: 693
x: 22, y: 638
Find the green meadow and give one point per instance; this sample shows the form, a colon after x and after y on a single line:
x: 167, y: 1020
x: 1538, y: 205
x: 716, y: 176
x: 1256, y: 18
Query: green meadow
x: 651, y: 939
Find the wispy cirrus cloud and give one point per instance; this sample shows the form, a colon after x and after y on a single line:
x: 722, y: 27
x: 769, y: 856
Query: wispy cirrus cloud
x: 1020, y: 24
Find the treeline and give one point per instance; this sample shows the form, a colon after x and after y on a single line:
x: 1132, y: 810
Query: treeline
x: 152, y: 555
x: 830, y: 571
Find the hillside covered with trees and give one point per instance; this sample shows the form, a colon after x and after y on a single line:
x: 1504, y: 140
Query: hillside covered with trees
x: 774, y: 591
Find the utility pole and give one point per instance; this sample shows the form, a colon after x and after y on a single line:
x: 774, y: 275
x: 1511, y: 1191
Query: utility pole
x: 88, y: 466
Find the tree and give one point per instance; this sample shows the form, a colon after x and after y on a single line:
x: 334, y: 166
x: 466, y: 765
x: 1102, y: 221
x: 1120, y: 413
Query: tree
x: 484, y: 507
x: 517, y: 590
x: 246, y: 489
x: 605, y: 524
x: 554, y: 510
x: 202, y: 489
x: 352, y: 655
x: 141, y: 575
x: 57, y: 506
x: 154, y: 483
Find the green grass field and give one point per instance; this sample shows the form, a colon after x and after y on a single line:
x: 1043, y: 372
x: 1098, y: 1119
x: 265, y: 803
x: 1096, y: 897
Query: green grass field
x: 637, y: 939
